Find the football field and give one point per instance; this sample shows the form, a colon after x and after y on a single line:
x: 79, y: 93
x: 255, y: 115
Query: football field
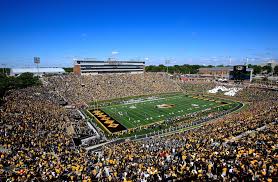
x: 142, y: 111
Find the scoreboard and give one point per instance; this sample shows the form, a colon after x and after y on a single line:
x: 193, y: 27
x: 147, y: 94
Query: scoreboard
x: 240, y: 73
x: 240, y: 68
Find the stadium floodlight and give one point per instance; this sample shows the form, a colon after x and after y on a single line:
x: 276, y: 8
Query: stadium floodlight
x: 4, y: 68
x: 246, y: 62
x: 37, y: 61
x: 167, y: 62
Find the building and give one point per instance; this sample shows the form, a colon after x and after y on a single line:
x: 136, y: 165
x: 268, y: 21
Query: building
x: 86, y: 66
x: 36, y: 71
x: 216, y: 72
x: 227, y: 73
x: 271, y: 63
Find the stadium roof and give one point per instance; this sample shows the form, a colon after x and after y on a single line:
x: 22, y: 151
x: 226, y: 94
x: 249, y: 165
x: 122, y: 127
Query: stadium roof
x: 15, y: 71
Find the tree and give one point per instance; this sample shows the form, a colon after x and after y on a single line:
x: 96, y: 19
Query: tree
x: 5, y: 70
x: 3, y: 84
x: 68, y: 70
x: 22, y: 81
x: 267, y: 69
x: 26, y: 80
x: 221, y: 65
x: 152, y: 68
x: 183, y: 69
x: 276, y: 70
x: 162, y: 68
x: 171, y: 69
x: 177, y: 69
x: 257, y: 69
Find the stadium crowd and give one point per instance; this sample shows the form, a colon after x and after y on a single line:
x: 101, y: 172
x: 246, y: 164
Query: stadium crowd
x: 35, y: 144
x: 197, y: 86
x: 82, y: 89
x: 252, y: 94
x: 201, y: 154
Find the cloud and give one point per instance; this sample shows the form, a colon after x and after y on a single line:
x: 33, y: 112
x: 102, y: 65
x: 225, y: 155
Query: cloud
x: 194, y: 34
x: 250, y: 49
x: 84, y: 36
x: 271, y: 49
x: 115, y: 52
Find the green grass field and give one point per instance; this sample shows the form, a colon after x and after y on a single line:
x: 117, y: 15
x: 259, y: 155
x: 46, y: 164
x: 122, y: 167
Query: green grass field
x: 144, y: 111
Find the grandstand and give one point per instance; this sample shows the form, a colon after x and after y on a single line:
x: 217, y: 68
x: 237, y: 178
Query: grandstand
x: 85, y: 88
x: 176, y: 92
x: 130, y: 127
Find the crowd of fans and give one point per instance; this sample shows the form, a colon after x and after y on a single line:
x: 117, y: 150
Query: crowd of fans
x: 35, y: 144
x: 32, y: 132
x: 83, y: 89
x: 197, y: 86
x: 252, y: 94
x: 200, y: 154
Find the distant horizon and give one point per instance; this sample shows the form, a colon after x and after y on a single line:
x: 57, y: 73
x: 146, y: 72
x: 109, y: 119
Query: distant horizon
x: 71, y: 66
x: 203, y: 32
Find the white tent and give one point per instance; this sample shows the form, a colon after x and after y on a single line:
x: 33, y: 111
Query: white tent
x: 228, y: 91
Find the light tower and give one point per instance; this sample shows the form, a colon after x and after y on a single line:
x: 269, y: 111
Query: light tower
x: 247, y: 62
x: 37, y: 61
x: 167, y: 62
x: 4, y: 68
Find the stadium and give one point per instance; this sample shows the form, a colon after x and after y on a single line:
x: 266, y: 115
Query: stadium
x: 132, y: 127
x: 138, y: 91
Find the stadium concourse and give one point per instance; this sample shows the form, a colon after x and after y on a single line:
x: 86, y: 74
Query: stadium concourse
x: 37, y: 131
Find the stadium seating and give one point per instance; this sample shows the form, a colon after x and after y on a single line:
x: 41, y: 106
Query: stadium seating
x: 83, y: 89
x: 36, y: 145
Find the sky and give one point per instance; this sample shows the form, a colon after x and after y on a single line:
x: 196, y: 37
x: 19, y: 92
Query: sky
x: 184, y: 31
